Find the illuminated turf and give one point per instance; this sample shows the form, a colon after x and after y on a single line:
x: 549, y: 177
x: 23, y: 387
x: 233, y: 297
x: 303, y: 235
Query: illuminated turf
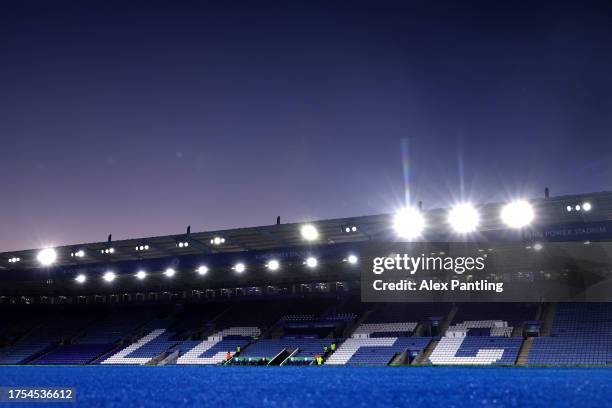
x: 313, y: 386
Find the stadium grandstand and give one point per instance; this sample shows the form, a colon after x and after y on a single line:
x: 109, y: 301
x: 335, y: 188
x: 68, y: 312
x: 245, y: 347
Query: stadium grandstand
x: 291, y: 294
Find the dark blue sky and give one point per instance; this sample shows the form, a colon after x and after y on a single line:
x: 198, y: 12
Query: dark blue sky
x: 139, y: 118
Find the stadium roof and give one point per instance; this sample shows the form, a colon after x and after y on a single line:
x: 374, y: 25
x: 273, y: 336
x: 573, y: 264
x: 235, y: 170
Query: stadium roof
x: 372, y: 227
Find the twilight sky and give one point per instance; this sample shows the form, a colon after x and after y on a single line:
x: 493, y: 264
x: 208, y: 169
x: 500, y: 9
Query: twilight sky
x: 141, y: 117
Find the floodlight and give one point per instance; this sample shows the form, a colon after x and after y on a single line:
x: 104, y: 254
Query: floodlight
x: 537, y: 246
x: 81, y: 278
x: 349, y: 228
x: 273, y: 265
x: 311, y: 262
x: 239, y: 267
x: 517, y: 214
x: 141, y: 275
x: 47, y: 257
x: 202, y: 270
x: 464, y: 218
x: 409, y: 223
x: 586, y: 206
x: 109, y: 276
x: 170, y: 272
x: 309, y: 232
x: 352, y: 259
x: 217, y: 241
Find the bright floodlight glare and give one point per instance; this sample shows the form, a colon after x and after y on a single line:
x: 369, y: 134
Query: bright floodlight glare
x: 81, y: 278
x: 273, y: 265
x: 239, y: 267
x: 309, y: 232
x: 538, y: 246
x: 517, y: 214
x: 170, y: 272
x: 311, y: 262
x: 202, y: 270
x: 464, y: 218
x: 352, y: 259
x: 141, y: 275
x: 409, y: 223
x: 586, y: 206
x: 109, y: 277
x: 47, y: 256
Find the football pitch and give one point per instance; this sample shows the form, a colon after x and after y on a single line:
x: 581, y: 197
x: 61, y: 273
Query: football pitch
x: 320, y: 386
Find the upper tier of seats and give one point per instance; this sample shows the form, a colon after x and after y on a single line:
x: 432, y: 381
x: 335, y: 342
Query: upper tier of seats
x: 407, y: 312
x: 512, y: 313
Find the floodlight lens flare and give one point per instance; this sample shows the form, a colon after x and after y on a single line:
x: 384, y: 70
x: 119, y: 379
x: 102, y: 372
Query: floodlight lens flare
x: 309, y: 232
x: 81, y: 278
x: 464, y: 218
x: 47, y: 257
x: 409, y: 223
x: 352, y: 259
x: 517, y: 214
